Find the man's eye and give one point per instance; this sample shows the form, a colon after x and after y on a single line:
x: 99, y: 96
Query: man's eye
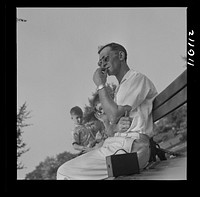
x: 100, y: 63
x: 106, y: 59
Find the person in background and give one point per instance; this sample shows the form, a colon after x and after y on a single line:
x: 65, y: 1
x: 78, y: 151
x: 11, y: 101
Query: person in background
x: 83, y: 138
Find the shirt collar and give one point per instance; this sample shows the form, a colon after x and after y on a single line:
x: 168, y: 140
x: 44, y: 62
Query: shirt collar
x: 126, y: 76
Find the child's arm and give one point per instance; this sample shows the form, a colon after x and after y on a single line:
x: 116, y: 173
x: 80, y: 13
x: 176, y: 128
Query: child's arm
x: 77, y: 140
x: 98, y: 145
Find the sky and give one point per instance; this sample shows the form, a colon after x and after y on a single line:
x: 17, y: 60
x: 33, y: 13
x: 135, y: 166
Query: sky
x: 57, y: 56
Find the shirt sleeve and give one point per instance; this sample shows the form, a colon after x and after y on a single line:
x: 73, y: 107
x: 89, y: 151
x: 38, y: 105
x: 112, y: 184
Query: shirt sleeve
x: 135, y: 90
x: 76, y: 137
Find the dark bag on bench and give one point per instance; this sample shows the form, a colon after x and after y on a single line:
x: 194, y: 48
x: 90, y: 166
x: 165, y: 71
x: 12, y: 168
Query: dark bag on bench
x: 122, y: 164
x: 159, y: 152
x: 156, y: 151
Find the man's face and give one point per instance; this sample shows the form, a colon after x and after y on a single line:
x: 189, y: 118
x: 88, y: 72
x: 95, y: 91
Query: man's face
x: 76, y: 118
x: 109, y: 60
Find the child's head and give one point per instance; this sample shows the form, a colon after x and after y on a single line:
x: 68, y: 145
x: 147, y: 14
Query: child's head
x: 76, y: 114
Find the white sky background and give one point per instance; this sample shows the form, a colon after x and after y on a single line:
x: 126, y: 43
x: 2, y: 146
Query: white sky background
x: 57, y: 56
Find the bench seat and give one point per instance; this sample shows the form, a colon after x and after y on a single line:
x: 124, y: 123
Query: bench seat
x: 170, y: 169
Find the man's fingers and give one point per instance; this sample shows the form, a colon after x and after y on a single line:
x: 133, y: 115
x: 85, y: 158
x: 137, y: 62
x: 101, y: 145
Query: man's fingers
x: 123, y: 130
x: 124, y: 119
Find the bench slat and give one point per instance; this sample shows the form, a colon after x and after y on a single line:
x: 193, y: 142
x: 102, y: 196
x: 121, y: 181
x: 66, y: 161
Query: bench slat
x: 171, y: 90
x: 176, y: 101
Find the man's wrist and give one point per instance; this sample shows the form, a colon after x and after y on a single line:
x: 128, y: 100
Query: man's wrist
x: 101, y: 86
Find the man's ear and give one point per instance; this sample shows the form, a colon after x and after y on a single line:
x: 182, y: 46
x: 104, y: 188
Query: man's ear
x: 121, y: 55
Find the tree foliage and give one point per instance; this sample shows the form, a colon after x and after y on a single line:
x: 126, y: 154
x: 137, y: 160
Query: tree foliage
x: 175, y: 122
x: 22, y: 116
x: 47, y: 169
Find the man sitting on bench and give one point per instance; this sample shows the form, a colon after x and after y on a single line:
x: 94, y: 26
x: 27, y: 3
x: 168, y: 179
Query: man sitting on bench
x: 134, y: 96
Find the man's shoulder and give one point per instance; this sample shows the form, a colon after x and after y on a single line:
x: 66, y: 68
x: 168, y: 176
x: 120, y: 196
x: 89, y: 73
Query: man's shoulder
x: 138, y: 75
x: 134, y: 75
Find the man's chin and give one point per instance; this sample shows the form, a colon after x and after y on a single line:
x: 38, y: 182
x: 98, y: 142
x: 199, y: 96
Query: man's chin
x: 109, y: 73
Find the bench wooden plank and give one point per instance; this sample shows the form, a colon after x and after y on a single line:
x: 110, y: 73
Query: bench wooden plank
x: 171, y: 169
x: 176, y: 101
x: 179, y: 83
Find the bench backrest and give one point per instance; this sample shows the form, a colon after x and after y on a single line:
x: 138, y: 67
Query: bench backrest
x: 174, y: 96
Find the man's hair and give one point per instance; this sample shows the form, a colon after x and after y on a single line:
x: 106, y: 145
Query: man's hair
x: 114, y: 47
x: 76, y: 111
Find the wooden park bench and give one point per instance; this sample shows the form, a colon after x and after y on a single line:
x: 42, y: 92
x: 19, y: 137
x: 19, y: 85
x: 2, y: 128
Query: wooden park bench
x: 174, y: 96
x: 171, y: 98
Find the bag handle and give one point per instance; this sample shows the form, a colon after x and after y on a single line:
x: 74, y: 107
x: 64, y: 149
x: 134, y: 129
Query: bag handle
x: 119, y: 150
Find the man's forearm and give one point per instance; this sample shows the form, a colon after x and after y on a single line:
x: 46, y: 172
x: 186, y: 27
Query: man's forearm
x: 113, y: 111
x: 111, y: 129
x: 109, y: 106
x: 116, y: 114
x: 122, y: 126
x: 78, y: 147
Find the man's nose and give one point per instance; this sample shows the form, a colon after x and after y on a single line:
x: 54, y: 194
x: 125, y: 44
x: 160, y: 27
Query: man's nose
x: 104, y: 65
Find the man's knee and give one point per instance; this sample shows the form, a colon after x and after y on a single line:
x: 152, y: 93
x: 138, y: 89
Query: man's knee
x: 141, y: 143
x: 61, y: 173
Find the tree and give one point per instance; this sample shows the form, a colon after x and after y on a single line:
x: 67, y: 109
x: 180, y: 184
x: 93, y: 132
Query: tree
x: 47, y: 169
x: 184, y: 58
x: 175, y: 122
x: 22, y: 115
